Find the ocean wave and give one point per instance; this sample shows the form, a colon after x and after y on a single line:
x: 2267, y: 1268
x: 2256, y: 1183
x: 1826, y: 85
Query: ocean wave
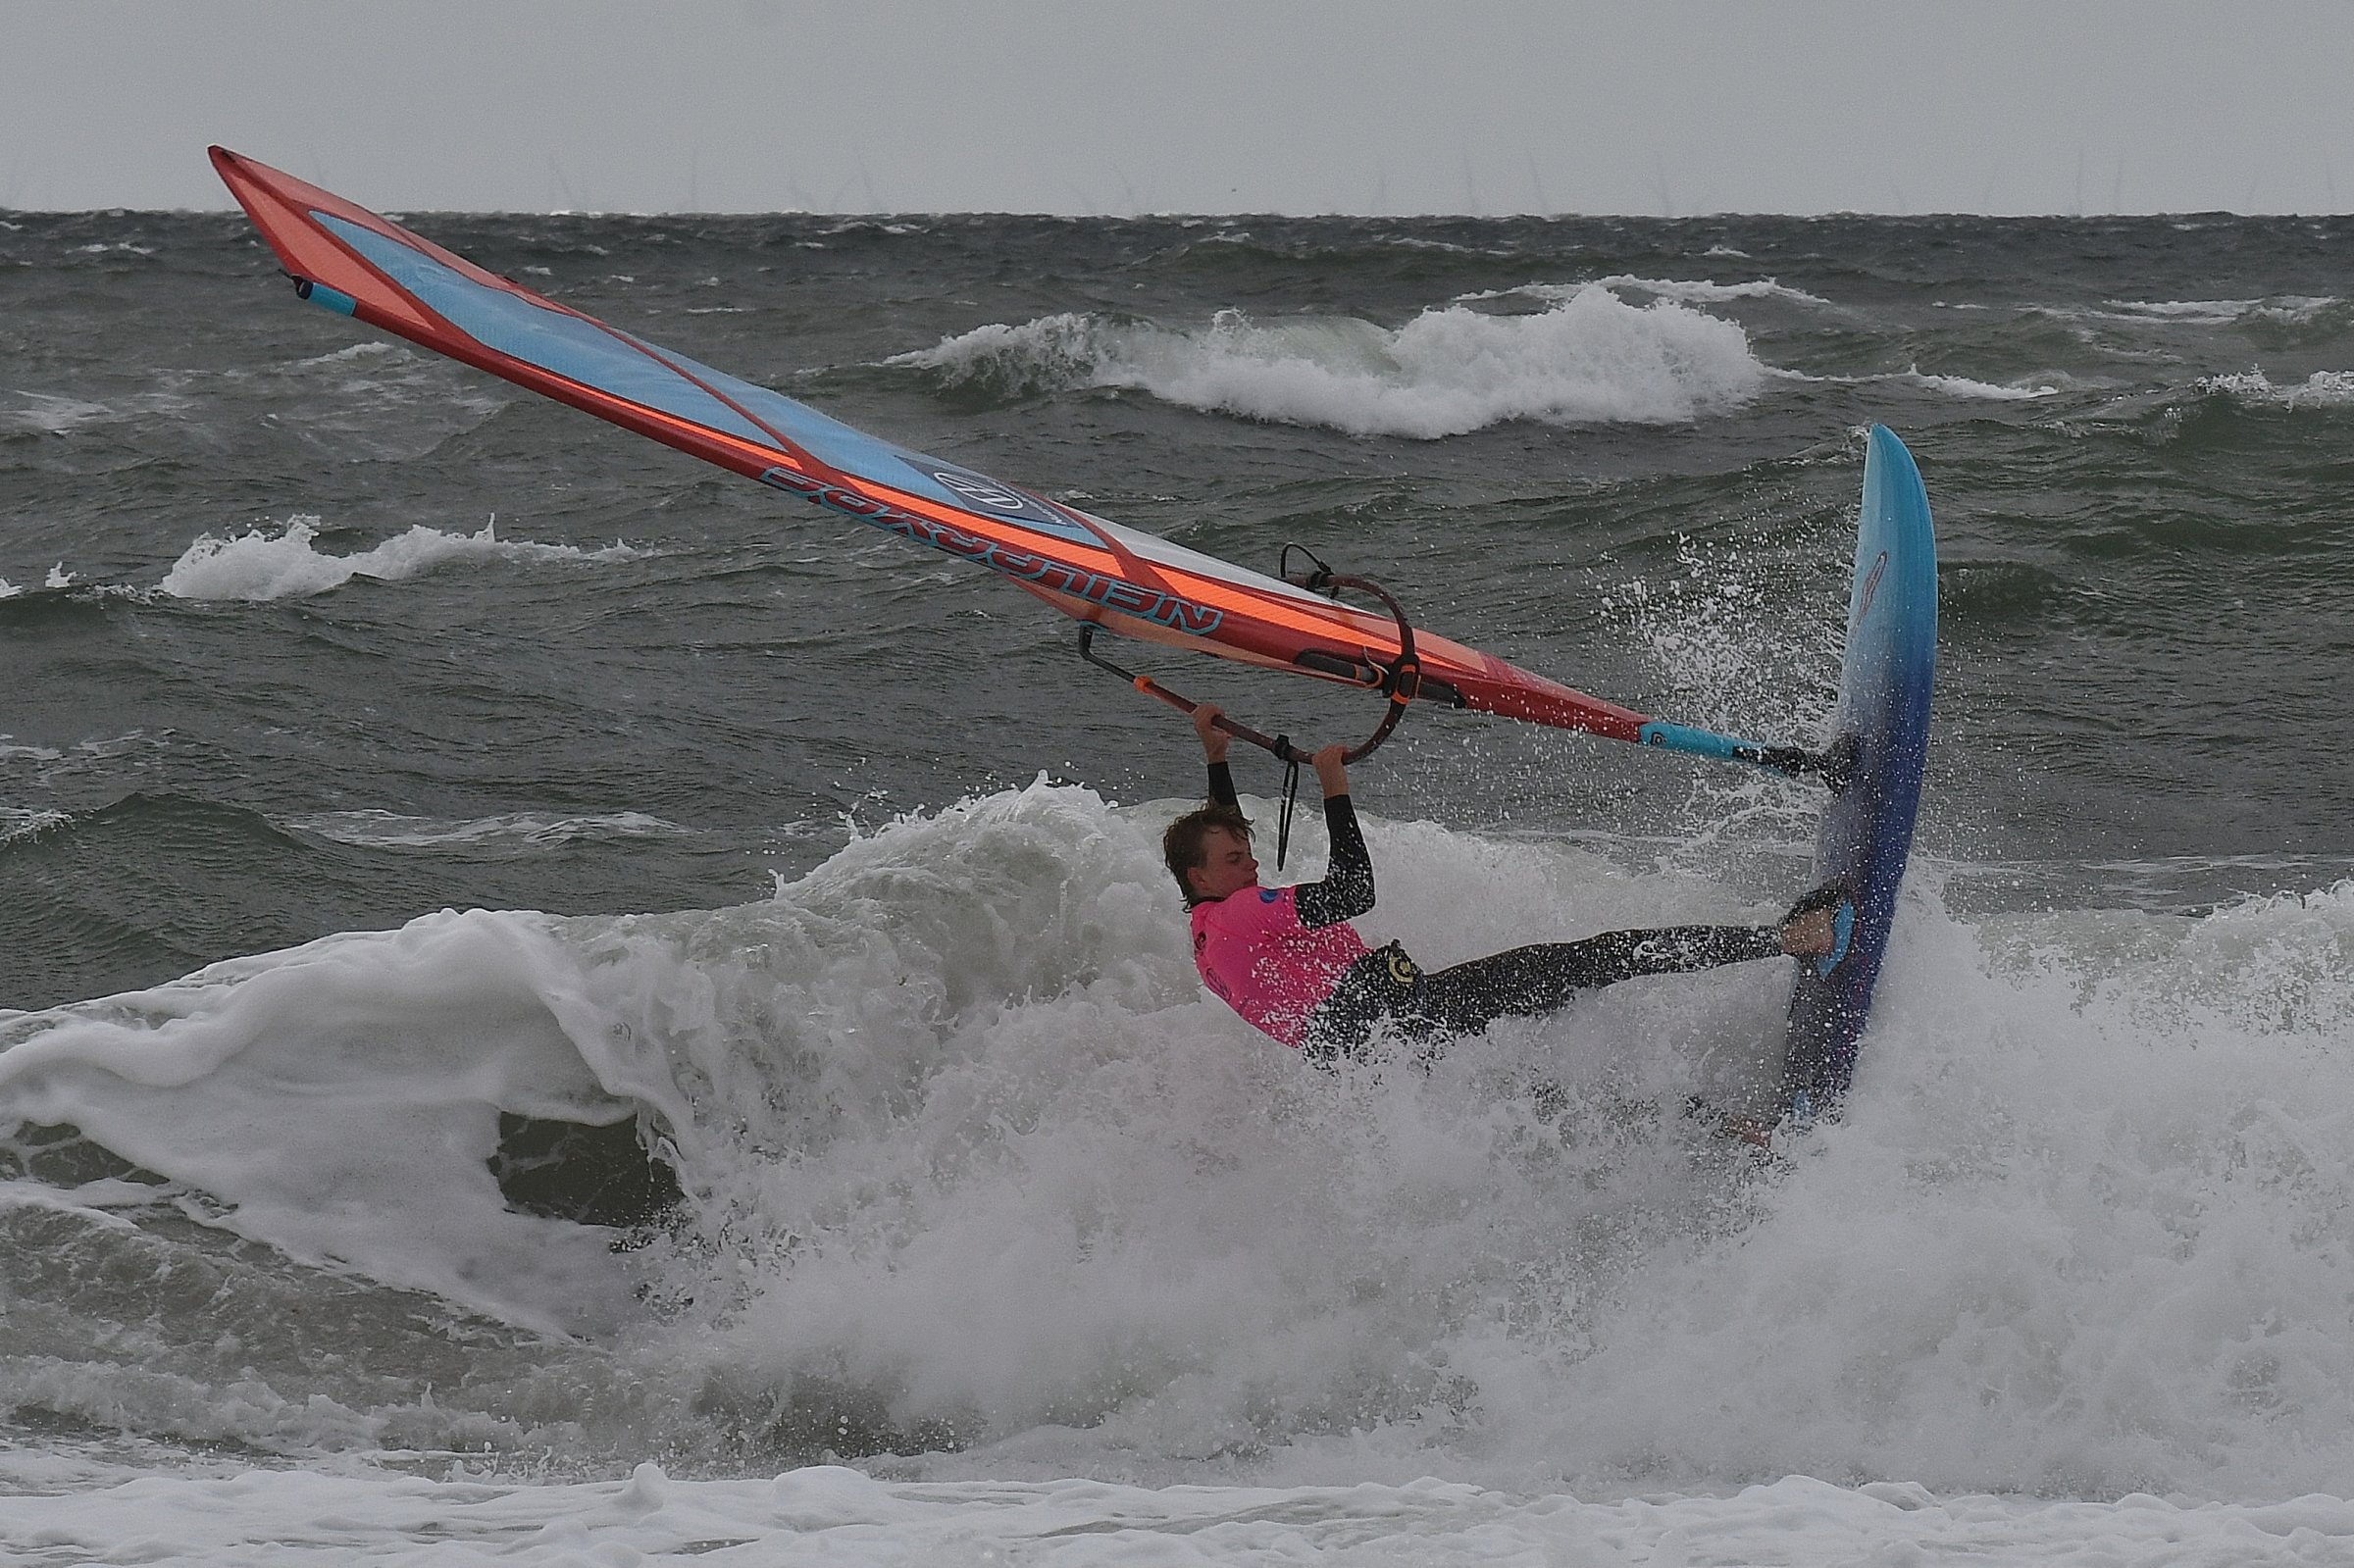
x: 350, y: 353
x: 972, y: 1166
x: 1969, y: 387
x: 17, y: 822
x: 260, y: 566
x: 433, y: 1504
x: 1591, y: 358
x: 2044, y: 385
x: 185, y: 830
x: 95, y: 750
x: 2291, y: 309
x: 1685, y: 290
x: 2328, y: 390
x: 61, y: 591
x: 56, y: 414
x: 531, y: 829
x: 386, y: 1171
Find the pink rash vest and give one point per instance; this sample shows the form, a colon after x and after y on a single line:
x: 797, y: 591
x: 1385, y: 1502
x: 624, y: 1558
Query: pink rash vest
x: 1253, y: 949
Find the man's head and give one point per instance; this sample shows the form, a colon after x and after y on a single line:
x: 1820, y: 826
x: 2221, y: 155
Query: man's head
x: 1209, y: 851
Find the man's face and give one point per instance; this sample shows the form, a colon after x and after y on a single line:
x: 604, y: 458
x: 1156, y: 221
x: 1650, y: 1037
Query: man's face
x: 1227, y: 865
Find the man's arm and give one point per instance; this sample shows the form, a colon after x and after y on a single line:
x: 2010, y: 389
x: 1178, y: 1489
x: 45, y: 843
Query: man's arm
x: 1346, y: 890
x: 1213, y: 749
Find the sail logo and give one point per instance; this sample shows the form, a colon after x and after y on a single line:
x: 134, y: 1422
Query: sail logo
x: 1042, y: 571
x: 993, y: 497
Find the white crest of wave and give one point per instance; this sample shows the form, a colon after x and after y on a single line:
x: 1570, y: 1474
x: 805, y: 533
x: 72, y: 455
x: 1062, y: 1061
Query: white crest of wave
x: 24, y: 822
x: 258, y: 565
x: 2255, y: 389
x: 378, y: 828
x: 53, y: 414
x: 1969, y: 387
x: 1702, y: 290
x: 58, y: 578
x: 2027, y: 390
x: 339, y: 1100
x: 1589, y: 358
x: 2291, y: 309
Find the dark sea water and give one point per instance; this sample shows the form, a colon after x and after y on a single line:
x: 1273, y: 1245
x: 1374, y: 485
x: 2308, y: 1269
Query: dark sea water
x: 492, y: 772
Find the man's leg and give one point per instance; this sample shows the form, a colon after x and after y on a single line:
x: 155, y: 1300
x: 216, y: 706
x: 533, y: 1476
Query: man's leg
x: 1545, y: 978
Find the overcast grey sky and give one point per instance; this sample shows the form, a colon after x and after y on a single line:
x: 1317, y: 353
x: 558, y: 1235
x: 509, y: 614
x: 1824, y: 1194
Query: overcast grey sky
x: 1303, y: 105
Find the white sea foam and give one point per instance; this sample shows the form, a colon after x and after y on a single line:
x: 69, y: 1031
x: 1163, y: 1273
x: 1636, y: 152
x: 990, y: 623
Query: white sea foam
x: 95, y: 749
x: 2027, y: 390
x: 57, y: 578
x: 1693, y: 290
x: 352, y: 353
x: 2321, y: 389
x: 386, y: 829
x: 973, y: 1161
x: 1969, y: 387
x: 17, y: 822
x: 1589, y: 358
x: 838, y: 1516
x: 55, y: 414
x: 338, y: 1101
x: 2292, y: 309
x: 259, y: 565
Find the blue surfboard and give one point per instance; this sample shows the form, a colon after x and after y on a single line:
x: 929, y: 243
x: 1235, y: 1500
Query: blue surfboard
x: 1880, y: 736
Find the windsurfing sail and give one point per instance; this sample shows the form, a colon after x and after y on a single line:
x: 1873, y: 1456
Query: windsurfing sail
x: 361, y: 265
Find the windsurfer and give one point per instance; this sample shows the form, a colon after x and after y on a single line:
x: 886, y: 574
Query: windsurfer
x: 1288, y: 960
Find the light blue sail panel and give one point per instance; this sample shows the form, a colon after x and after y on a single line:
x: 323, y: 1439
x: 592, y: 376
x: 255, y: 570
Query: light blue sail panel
x: 613, y: 361
x: 555, y: 340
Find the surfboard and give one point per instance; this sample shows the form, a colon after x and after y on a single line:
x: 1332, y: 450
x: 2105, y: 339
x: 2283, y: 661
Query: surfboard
x: 1880, y: 733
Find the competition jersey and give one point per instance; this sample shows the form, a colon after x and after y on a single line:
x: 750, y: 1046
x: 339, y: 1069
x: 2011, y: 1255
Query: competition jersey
x: 1255, y: 953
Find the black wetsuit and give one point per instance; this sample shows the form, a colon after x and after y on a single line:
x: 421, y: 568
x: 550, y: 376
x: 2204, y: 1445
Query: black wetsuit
x: 1432, y: 1007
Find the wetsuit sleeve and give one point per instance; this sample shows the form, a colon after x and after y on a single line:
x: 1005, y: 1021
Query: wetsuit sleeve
x: 1346, y: 890
x: 1221, y: 785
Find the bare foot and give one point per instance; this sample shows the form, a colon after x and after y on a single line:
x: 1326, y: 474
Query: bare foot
x: 1811, y: 935
x: 1755, y: 1130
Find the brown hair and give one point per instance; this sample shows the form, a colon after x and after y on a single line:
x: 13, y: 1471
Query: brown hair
x: 1182, y: 846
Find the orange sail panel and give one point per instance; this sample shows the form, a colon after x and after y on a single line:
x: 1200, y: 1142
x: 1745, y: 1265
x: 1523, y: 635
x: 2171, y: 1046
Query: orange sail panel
x: 359, y: 264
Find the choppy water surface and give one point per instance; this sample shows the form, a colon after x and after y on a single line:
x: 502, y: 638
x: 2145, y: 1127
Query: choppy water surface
x: 418, y: 802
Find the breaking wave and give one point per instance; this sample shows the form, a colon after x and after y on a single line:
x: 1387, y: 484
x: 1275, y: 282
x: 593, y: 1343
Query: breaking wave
x: 258, y: 565
x: 967, y: 1164
x: 1588, y: 358
x: 2323, y: 390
